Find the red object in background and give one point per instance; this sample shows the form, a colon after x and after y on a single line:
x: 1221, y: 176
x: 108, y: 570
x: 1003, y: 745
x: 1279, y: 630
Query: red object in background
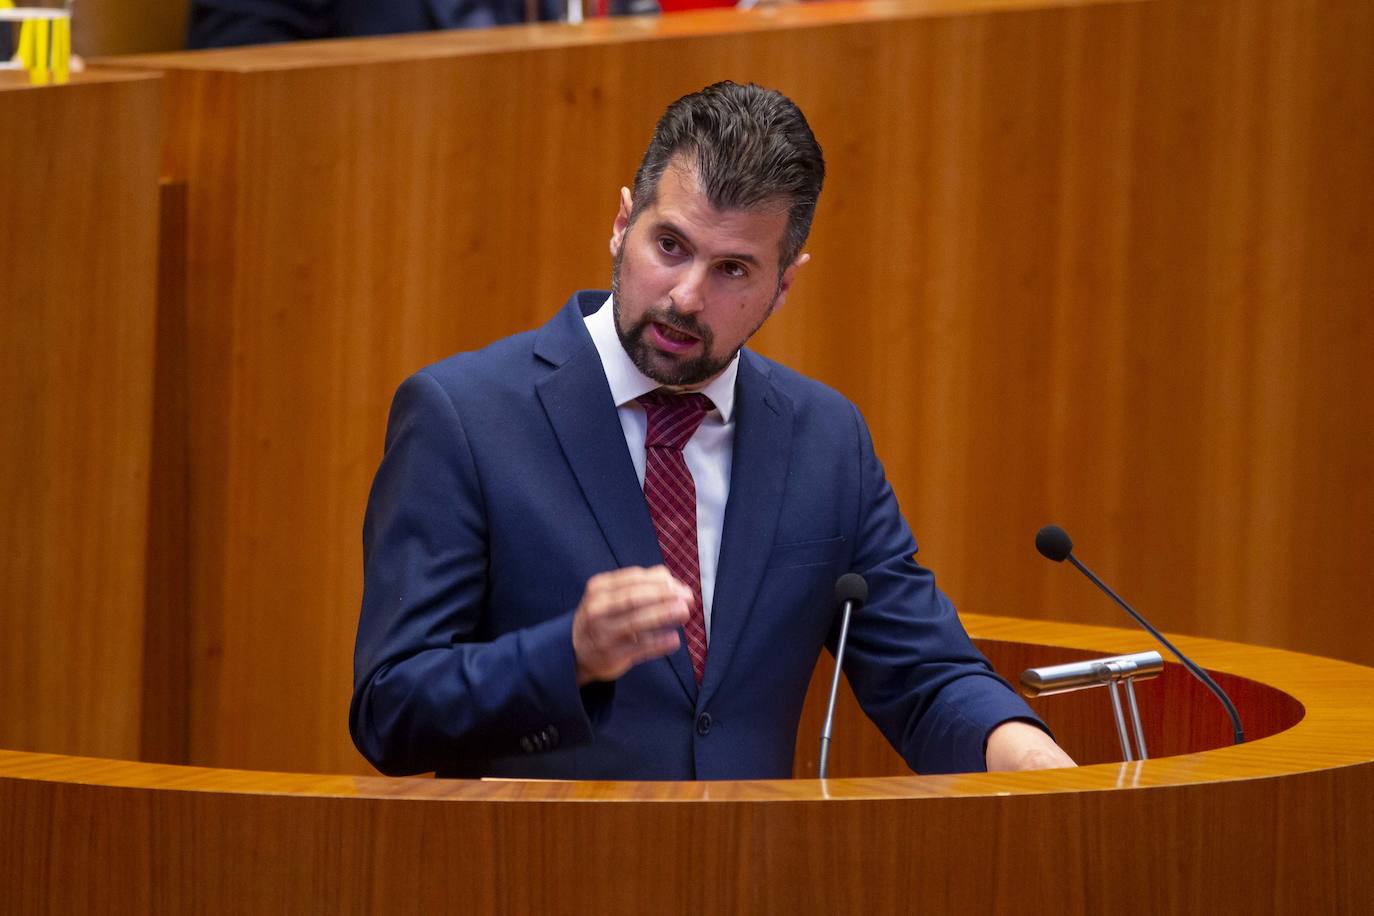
x: 678, y: 6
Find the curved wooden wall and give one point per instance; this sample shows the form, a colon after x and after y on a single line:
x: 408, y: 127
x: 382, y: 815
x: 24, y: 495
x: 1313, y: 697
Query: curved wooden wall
x: 1274, y: 826
x: 1103, y: 264
x: 78, y: 269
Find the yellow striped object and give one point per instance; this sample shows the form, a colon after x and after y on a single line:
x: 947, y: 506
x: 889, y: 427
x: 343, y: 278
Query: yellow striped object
x: 25, y: 52
x: 45, y: 43
x: 39, y: 73
x: 61, y: 49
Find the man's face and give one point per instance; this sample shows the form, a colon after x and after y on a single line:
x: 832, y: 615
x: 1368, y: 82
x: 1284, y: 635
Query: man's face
x: 693, y: 283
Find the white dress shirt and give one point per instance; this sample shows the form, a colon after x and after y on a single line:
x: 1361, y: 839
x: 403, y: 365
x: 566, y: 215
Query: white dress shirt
x: 708, y: 453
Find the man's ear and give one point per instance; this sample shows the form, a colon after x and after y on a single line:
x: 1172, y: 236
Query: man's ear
x: 789, y: 275
x: 622, y: 222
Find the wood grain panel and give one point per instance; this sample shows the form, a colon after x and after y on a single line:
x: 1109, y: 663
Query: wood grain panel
x: 1276, y: 826
x: 1103, y: 264
x: 165, y: 733
x: 78, y: 193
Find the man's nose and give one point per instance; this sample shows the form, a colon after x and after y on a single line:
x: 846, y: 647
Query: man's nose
x: 689, y: 293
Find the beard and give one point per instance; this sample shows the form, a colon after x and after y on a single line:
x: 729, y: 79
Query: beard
x: 680, y: 373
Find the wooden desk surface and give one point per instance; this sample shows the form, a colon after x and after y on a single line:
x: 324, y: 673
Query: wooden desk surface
x: 1334, y: 729
x: 1261, y: 827
x: 593, y: 32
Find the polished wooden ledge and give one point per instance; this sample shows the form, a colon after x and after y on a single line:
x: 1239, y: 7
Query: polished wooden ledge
x: 594, y: 32
x: 1270, y: 826
x: 1336, y: 729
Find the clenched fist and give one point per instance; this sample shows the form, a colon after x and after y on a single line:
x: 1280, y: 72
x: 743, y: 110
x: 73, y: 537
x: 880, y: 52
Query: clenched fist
x: 627, y: 616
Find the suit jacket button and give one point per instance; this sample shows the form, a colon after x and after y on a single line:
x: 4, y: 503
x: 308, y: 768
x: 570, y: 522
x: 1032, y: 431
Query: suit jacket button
x: 552, y: 732
x: 527, y: 745
x: 704, y: 724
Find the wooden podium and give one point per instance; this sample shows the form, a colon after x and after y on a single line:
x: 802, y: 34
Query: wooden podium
x: 1277, y: 825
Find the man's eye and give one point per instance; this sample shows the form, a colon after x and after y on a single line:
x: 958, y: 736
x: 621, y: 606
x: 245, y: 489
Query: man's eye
x: 733, y: 269
x: 669, y: 245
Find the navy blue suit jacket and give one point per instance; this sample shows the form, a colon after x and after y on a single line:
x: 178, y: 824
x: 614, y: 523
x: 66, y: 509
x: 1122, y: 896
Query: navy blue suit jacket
x: 506, y: 484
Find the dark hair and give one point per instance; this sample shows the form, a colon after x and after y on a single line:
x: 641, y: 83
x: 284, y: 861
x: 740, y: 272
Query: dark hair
x: 748, y: 144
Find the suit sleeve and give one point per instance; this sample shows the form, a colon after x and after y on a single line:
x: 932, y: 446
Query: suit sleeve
x: 913, y: 668
x: 430, y: 692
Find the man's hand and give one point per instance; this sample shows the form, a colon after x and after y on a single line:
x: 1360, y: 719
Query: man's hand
x: 627, y: 616
x: 1018, y: 745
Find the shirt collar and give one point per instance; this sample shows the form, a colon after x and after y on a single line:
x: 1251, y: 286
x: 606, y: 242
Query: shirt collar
x: 628, y: 383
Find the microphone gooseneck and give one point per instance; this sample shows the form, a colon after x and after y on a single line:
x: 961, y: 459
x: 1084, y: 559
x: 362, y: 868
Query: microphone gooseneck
x: 1053, y: 543
x: 851, y: 590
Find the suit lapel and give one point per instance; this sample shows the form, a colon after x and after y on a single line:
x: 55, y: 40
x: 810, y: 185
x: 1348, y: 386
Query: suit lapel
x: 577, y: 400
x: 763, y: 441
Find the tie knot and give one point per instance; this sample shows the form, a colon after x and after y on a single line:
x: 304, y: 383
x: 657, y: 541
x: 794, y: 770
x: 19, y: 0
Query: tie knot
x: 673, y: 418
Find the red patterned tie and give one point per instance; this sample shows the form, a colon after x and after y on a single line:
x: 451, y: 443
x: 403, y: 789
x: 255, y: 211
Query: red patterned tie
x: 672, y: 497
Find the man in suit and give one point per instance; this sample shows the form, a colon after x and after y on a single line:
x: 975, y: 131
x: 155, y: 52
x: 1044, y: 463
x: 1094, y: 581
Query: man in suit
x: 227, y: 23
x: 607, y: 548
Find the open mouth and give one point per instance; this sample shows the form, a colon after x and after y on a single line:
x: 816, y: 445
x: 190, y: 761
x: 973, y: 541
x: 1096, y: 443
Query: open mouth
x: 671, y: 339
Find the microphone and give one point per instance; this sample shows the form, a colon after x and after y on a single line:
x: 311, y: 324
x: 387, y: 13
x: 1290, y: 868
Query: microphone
x: 852, y: 591
x: 1054, y: 544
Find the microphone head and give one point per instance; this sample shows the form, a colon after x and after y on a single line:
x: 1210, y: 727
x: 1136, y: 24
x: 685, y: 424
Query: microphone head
x: 851, y: 587
x: 1053, y: 543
